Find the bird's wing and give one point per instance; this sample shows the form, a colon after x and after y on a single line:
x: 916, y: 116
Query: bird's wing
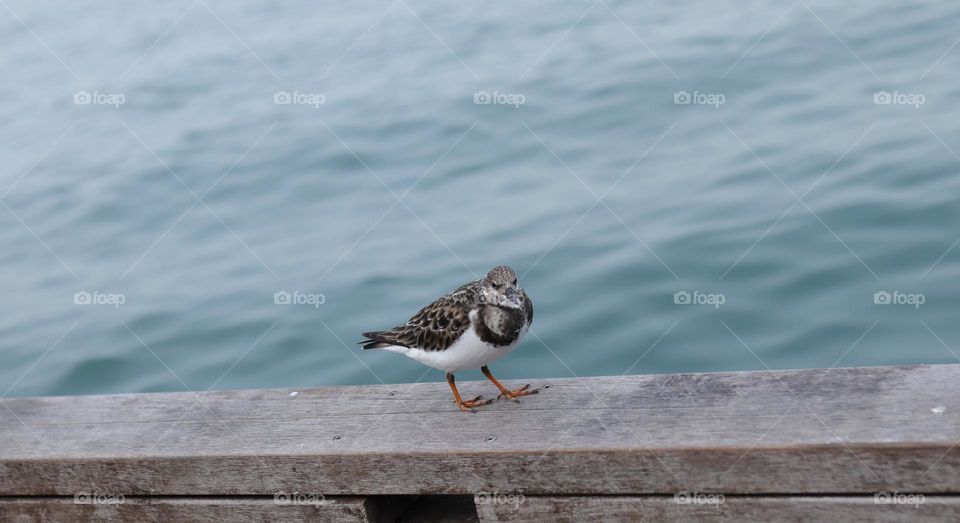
x: 435, y: 327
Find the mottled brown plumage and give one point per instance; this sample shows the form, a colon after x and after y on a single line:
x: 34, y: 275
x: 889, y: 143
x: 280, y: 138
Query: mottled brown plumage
x: 436, y: 326
x: 465, y: 329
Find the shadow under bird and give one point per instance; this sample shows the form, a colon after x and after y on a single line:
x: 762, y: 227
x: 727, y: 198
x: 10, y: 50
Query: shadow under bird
x: 465, y: 329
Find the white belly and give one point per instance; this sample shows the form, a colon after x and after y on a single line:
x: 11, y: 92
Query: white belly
x: 468, y: 352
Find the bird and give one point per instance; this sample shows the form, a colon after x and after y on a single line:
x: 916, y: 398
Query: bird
x: 469, y: 327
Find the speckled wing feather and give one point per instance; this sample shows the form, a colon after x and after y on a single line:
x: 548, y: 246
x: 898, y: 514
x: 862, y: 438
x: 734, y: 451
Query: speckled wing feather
x: 436, y: 326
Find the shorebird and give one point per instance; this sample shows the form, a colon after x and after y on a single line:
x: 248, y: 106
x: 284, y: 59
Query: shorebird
x: 464, y: 329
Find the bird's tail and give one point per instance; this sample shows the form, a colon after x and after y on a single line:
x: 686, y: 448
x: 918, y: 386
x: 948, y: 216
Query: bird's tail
x: 374, y: 340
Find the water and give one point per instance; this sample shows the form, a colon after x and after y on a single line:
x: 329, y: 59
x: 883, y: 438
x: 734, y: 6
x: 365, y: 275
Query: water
x: 304, y: 198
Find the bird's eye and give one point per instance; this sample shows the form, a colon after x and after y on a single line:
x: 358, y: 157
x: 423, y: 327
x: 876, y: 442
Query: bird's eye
x: 514, y: 281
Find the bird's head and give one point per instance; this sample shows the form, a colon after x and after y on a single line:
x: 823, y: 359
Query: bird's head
x: 501, y: 287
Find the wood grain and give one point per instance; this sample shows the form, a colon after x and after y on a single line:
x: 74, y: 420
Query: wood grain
x: 733, y: 508
x: 860, y: 430
x: 133, y: 509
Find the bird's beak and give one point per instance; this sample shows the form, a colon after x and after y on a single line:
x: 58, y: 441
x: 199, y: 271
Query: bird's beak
x: 512, y: 295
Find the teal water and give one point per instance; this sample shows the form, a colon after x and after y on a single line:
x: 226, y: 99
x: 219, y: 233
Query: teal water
x: 303, y: 197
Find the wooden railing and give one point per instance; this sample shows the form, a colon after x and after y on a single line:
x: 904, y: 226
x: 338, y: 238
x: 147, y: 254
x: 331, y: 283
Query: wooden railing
x: 879, y: 443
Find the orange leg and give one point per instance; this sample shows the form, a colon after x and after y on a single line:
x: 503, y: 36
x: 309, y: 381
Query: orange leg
x: 465, y: 406
x: 511, y: 394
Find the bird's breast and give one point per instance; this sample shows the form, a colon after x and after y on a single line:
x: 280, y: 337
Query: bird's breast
x: 499, y: 326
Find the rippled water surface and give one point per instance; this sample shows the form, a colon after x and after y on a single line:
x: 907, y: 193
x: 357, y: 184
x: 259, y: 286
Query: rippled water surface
x: 773, y: 206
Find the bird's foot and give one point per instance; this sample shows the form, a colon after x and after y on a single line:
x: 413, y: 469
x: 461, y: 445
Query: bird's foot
x: 467, y: 406
x: 512, y: 395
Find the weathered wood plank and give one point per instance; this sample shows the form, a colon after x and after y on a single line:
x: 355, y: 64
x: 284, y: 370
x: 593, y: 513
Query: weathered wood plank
x: 839, y: 431
x: 732, y: 508
x: 134, y: 509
